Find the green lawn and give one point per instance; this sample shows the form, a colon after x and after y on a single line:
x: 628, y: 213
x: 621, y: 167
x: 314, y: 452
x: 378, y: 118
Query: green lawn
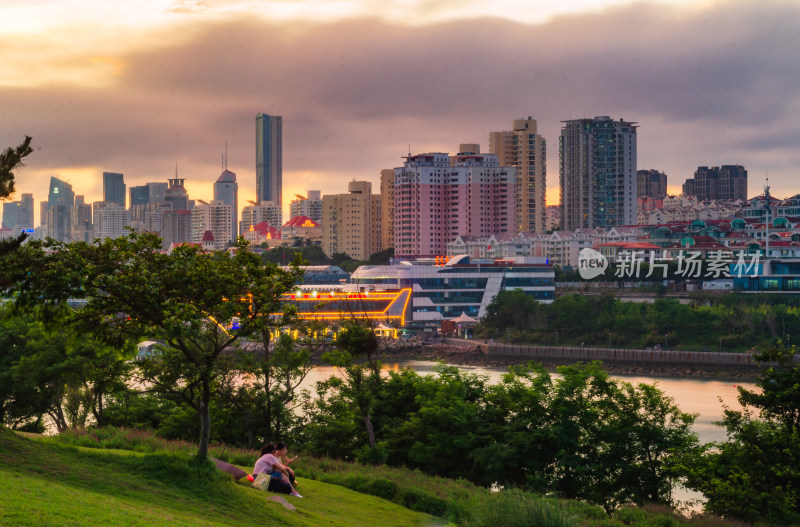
x: 43, y: 483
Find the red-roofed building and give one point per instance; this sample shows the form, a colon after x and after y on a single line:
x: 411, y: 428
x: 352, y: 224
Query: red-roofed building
x: 263, y: 233
x: 302, y: 228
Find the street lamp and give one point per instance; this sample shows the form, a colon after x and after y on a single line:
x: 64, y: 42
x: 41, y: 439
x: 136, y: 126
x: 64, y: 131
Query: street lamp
x: 720, y: 343
x: 508, y: 335
x: 556, y: 338
x: 666, y: 342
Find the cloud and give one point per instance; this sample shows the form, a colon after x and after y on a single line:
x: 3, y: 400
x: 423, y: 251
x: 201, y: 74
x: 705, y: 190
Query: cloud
x: 708, y: 86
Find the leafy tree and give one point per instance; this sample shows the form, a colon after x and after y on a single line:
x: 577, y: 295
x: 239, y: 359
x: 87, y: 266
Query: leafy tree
x: 199, y: 305
x: 11, y: 160
x: 755, y: 474
x: 55, y: 371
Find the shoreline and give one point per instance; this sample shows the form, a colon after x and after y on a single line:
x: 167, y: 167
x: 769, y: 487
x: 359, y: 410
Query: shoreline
x: 462, y: 356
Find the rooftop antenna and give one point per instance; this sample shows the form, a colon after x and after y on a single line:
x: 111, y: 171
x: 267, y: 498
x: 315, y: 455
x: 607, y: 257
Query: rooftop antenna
x: 225, y: 158
x: 176, y: 170
x: 766, y: 223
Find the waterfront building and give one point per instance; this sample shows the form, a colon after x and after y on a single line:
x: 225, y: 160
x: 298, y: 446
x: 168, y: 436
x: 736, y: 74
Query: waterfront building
x: 523, y: 148
x: 598, y: 173
x: 269, y: 159
x: 387, y: 208
x: 443, y: 289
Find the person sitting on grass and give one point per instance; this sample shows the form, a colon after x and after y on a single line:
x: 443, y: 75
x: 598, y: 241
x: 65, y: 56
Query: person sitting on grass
x: 268, y: 466
x: 281, y: 454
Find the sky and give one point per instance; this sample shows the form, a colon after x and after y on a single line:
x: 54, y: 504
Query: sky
x: 142, y: 87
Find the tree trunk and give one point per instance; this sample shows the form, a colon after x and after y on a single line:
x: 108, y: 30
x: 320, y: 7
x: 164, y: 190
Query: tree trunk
x: 205, y: 420
x: 370, y: 431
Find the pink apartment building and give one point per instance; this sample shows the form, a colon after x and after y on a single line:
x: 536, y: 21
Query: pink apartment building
x: 438, y: 198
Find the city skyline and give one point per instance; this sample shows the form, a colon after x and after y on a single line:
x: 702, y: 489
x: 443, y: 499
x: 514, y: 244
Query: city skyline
x: 356, y: 104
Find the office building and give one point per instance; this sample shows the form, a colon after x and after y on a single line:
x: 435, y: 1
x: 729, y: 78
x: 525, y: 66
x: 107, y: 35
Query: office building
x: 176, y: 194
x: 728, y: 182
x: 269, y: 159
x: 651, y: 183
x: 114, y: 188
x: 597, y: 173
x: 309, y: 206
x: 214, y: 217
x: 58, y: 216
x: 437, y: 199
x: 525, y: 149
x: 351, y: 222
x: 226, y: 190
x: 18, y: 215
x: 148, y: 193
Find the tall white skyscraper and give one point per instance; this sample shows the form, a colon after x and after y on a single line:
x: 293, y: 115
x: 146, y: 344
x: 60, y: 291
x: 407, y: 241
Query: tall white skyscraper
x: 269, y: 158
x: 597, y: 173
x: 226, y: 190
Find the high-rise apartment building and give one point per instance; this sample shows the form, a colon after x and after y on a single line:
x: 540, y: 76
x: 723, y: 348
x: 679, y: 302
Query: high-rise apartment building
x: 387, y: 208
x: 269, y: 159
x: 351, y: 222
x: 177, y: 227
x: 728, y: 182
x: 597, y: 173
x: 110, y: 219
x: 214, y: 217
x: 437, y: 199
x: 525, y: 149
x: 254, y: 214
x: 114, y: 188
x: 226, y: 190
x: 82, y: 228
x: 651, y: 183
x: 309, y: 205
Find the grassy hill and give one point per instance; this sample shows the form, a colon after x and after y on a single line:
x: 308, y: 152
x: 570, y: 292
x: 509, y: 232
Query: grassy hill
x: 44, y: 483
x: 129, y: 477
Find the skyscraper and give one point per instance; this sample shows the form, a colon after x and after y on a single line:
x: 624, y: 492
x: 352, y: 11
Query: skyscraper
x: 226, y: 190
x: 525, y: 149
x: 60, y: 201
x: 114, y: 188
x: 597, y: 173
x: 269, y: 158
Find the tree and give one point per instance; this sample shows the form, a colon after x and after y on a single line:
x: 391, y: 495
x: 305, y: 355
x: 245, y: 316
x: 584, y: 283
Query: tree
x: 198, y: 304
x: 755, y: 474
x: 10, y: 160
x: 55, y: 371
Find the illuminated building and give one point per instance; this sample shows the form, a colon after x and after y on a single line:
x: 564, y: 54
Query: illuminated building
x: 334, y: 304
x: 445, y: 288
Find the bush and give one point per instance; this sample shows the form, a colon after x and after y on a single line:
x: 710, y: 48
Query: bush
x: 419, y: 501
x: 511, y: 508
